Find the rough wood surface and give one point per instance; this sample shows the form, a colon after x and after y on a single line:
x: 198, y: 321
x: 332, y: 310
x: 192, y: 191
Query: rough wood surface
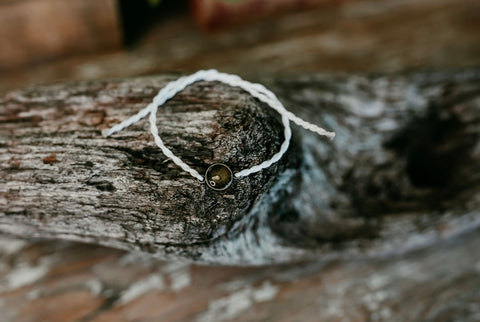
x: 62, y: 178
x: 402, y: 173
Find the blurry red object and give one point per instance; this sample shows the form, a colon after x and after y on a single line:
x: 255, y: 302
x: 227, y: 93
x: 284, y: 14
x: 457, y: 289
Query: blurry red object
x: 215, y: 14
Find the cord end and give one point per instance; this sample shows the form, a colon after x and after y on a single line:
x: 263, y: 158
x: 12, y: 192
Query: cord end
x: 106, y: 132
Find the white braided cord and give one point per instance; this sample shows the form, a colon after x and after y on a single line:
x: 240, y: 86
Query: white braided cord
x: 256, y: 90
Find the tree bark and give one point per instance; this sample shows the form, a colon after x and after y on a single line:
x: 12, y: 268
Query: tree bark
x: 402, y: 172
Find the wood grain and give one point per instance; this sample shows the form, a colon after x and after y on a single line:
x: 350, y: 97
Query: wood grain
x: 402, y: 172
x: 64, y: 179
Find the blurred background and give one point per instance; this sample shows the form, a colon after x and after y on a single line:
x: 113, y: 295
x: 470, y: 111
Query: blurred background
x: 48, y: 41
x: 45, y: 41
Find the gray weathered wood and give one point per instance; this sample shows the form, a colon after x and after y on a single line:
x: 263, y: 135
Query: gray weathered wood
x: 402, y: 172
x: 62, y: 281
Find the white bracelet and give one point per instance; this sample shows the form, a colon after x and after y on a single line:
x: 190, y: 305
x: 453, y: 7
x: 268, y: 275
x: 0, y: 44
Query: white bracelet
x: 219, y: 176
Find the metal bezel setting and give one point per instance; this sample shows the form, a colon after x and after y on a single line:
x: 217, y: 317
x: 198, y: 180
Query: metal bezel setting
x: 211, y: 184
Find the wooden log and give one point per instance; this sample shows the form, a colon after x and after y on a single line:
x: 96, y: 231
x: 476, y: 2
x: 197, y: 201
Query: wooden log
x: 402, y: 172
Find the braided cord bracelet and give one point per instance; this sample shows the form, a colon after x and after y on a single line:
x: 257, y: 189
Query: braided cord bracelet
x: 218, y: 176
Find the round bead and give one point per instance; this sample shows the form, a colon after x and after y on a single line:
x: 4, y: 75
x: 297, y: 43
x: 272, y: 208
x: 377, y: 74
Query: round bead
x: 218, y: 176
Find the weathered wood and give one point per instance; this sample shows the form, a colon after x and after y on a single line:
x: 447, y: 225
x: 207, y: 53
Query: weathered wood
x: 402, y: 172
x: 54, y: 281
x: 61, y: 178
